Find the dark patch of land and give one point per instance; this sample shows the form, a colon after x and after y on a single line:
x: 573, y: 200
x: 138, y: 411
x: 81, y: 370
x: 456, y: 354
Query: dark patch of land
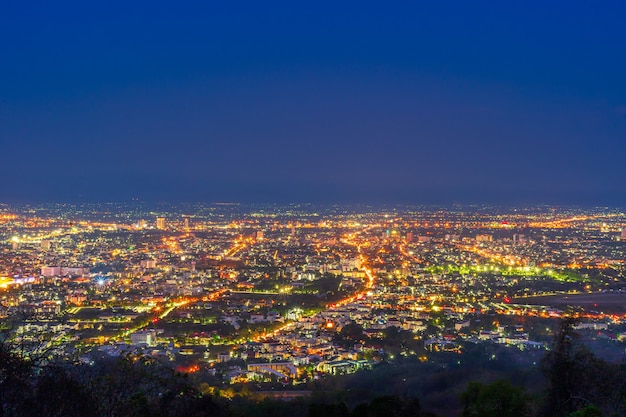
x: 606, y: 302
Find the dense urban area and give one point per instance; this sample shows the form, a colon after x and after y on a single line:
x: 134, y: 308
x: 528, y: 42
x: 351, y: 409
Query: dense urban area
x: 280, y: 308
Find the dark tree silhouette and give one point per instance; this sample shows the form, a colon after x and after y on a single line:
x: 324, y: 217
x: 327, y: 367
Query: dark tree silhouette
x: 328, y: 410
x: 498, y: 399
x: 16, y: 381
x: 389, y: 406
x: 578, y: 379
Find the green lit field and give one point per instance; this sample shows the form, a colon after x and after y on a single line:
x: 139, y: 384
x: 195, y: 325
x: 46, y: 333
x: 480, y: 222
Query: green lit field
x: 521, y: 271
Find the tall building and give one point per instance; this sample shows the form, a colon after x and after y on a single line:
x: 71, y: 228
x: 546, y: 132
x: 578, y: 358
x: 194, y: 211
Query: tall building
x: 45, y: 245
x: 148, y: 263
x: 519, y: 239
x: 144, y: 337
x: 259, y: 235
x: 50, y: 271
x: 624, y: 234
x: 484, y: 238
x: 186, y: 223
x: 160, y: 223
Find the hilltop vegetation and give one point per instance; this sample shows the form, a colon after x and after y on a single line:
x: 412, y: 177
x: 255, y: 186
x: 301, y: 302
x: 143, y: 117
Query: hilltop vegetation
x: 569, y: 381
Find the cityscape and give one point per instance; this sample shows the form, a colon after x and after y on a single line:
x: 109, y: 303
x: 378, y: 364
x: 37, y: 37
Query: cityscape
x: 313, y: 209
x: 270, y: 295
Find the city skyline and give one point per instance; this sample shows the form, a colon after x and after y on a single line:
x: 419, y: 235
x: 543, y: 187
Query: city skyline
x: 350, y: 103
x: 313, y: 209
x: 294, y: 301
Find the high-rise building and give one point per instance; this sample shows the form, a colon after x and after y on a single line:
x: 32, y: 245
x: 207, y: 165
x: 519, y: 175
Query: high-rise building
x: 259, y: 235
x: 160, y: 223
x: 148, y: 263
x: 144, y: 337
x: 624, y: 234
x: 519, y: 239
x: 50, y: 271
x: 484, y: 238
x: 45, y: 245
x: 186, y: 223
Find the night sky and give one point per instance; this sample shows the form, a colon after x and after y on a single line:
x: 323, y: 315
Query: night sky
x: 371, y: 102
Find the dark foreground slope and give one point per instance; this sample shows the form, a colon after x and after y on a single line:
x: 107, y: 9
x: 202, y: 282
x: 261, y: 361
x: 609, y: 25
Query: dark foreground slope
x: 568, y: 381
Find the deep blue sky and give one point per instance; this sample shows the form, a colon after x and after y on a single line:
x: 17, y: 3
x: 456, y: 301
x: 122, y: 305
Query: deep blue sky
x: 434, y: 101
